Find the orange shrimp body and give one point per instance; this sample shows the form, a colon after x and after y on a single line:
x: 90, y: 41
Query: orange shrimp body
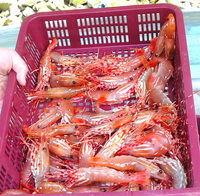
x: 66, y: 80
x: 112, y: 82
x: 125, y: 162
x: 118, y: 95
x: 88, y: 175
x: 52, y: 131
x: 57, y: 109
x: 166, y: 37
x: 67, y: 61
x: 47, y: 120
x: 153, y: 144
x: 175, y: 170
x: 169, y: 27
x: 157, y: 81
x: 87, y: 151
x: 114, y: 143
x: 66, y: 108
x: 58, y: 92
x: 45, y: 67
x: 52, y: 187
x: 40, y: 161
x: 97, y: 118
x: 26, y: 174
x: 109, y: 127
x: 13, y: 192
x: 60, y: 147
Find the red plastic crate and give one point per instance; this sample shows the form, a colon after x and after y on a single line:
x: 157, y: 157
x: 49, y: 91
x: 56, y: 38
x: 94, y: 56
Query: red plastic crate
x: 198, y: 122
x: 96, y: 32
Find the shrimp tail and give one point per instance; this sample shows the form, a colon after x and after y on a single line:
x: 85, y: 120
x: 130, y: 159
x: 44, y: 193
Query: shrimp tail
x: 141, y: 177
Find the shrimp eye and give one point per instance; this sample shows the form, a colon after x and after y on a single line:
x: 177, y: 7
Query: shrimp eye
x: 44, y: 148
x: 71, y: 156
x: 46, y: 88
x: 131, y: 78
x: 116, y: 129
x: 74, y: 82
x: 76, y: 126
x: 103, y: 190
x: 160, y: 171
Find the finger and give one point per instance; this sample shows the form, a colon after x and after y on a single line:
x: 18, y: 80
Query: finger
x: 3, y: 81
x: 20, y: 67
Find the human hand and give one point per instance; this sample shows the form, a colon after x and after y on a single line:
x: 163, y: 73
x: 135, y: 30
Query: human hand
x: 11, y: 60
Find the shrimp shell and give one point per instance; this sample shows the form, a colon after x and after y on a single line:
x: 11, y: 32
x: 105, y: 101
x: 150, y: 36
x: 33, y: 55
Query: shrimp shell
x: 85, y: 176
x: 125, y: 162
x: 174, y: 168
x: 58, y: 92
x: 52, y: 187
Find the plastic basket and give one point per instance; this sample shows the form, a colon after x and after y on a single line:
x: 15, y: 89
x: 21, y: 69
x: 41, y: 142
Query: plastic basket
x: 96, y: 32
x: 198, y: 122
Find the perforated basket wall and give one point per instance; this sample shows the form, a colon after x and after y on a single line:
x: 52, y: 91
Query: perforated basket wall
x: 95, y: 32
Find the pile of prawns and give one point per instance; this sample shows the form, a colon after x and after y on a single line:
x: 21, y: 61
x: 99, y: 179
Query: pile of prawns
x: 129, y: 147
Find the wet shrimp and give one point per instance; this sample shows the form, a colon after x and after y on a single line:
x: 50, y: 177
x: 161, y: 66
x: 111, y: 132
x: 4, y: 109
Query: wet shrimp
x: 166, y: 38
x: 174, y: 169
x: 57, y: 92
x: 151, y: 144
x: 40, y: 160
x: 125, y: 162
x: 114, y: 143
x: 117, y: 95
x: 61, y: 148
x: 54, y: 130
x: 86, y: 176
x: 52, y: 187
x: 66, y: 80
x: 45, y: 67
x: 157, y: 82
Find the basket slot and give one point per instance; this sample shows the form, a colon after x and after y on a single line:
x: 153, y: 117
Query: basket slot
x: 149, y: 26
x: 13, y: 147
x: 6, y: 181
x: 58, y: 28
x: 103, y: 30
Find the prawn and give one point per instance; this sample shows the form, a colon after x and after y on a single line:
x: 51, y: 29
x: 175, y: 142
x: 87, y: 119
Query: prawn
x: 151, y: 144
x: 66, y: 79
x: 174, y: 169
x: 85, y: 176
x: 45, y: 67
x: 13, y: 192
x: 87, y: 150
x: 67, y: 61
x: 125, y: 162
x: 57, y: 92
x: 57, y: 109
x: 61, y: 148
x: 157, y: 81
x: 52, y: 187
x: 26, y: 174
x: 40, y: 160
x: 165, y: 40
x: 97, y: 118
x: 114, y: 143
x: 66, y: 108
x: 52, y: 131
x: 109, y: 127
x: 112, y: 82
x: 117, y: 95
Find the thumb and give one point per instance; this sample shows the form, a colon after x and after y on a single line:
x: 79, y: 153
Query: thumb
x: 20, y: 67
